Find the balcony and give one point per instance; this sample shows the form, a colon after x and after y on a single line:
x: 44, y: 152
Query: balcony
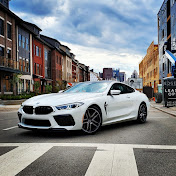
x: 8, y: 64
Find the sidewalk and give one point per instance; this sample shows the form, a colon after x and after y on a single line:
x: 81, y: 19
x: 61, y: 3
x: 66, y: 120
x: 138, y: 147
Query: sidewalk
x: 10, y: 105
x: 159, y: 106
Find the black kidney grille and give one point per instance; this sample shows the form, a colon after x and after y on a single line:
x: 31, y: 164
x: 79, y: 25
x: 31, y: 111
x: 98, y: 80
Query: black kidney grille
x: 28, y: 109
x: 41, y: 110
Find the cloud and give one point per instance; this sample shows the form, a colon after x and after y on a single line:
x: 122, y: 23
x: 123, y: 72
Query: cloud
x: 100, y: 58
x: 37, y: 7
x: 115, y: 32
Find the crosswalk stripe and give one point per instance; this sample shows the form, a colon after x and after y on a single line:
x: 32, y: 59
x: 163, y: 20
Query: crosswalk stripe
x: 124, y: 161
x: 16, y: 160
x: 108, y: 160
x: 102, y: 161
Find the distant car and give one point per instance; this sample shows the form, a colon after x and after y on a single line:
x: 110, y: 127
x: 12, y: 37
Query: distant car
x: 86, y: 106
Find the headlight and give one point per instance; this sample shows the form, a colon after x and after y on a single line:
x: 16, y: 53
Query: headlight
x: 69, y: 106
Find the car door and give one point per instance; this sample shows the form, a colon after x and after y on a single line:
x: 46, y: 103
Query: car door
x: 119, y: 106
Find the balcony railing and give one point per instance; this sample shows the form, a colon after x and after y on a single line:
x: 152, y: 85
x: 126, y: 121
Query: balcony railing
x: 9, y: 63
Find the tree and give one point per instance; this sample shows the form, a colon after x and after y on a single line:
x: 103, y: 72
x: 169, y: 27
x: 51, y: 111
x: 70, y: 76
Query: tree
x: 36, y: 87
x: 14, y: 81
x: 48, y: 88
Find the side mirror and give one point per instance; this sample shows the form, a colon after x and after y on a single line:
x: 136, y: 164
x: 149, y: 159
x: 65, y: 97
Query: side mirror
x: 115, y: 92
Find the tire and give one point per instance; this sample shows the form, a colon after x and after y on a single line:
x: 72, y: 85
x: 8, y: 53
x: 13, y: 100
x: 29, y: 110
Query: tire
x: 158, y: 97
x: 142, y: 113
x: 92, y: 120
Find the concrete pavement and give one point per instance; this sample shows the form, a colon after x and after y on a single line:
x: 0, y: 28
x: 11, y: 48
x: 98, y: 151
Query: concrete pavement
x: 159, y: 106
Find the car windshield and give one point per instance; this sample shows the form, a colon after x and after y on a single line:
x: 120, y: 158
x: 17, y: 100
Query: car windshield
x: 95, y: 87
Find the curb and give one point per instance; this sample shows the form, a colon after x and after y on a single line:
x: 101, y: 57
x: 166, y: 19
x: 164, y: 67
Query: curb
x: 6, y: 108
x: 163, y: 110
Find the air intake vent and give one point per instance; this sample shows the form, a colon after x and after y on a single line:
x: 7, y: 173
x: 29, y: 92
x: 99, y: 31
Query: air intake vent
x: 42, y: 123
x: 64, y: 120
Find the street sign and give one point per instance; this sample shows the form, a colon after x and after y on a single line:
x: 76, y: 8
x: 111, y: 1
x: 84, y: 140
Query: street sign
x: 170, y: 91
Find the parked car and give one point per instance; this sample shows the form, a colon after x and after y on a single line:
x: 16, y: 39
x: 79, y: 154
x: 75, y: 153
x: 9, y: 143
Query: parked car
x: 86, y: 106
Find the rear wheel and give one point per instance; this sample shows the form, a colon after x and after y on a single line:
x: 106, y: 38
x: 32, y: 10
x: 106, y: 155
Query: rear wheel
x: 142, y: 113
x: 92, y: 120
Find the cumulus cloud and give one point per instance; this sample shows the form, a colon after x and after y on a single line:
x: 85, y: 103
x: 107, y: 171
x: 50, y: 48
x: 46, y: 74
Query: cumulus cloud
x: 120, y: 30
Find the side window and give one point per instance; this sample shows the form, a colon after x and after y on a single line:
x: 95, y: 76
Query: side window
x: 123, y: 88
x: 127, y: 89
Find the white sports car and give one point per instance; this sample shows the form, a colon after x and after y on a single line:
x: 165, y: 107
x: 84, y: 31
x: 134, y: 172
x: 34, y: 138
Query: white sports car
x: 86, y: 106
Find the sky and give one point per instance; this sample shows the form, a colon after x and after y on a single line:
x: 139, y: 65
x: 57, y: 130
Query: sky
x: 102, y: 34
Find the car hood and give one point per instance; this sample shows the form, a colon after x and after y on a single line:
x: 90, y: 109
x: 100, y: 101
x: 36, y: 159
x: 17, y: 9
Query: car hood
x: 60, y: 98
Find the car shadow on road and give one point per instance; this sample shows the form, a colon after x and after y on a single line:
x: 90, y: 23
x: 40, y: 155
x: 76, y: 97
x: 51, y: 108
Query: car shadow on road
x: 74, y: 134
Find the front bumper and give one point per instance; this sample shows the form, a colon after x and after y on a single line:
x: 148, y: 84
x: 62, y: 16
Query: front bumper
x: 76, y: 124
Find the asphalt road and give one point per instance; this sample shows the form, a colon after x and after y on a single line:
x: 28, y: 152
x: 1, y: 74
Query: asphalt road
x: 126, y: 148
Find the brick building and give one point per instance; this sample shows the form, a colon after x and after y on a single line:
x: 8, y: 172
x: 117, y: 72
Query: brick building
x: 75, y: 69
x: 56, y: 61
x: 107, y: 73
x: 149, y: 68
x: 67, y: 63
x: 8, y: 59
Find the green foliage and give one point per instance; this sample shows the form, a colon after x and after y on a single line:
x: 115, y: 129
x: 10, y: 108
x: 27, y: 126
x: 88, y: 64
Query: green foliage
x: 61, y: 85
x: 17, y: 97
x: 48, y: 88
x: 36, y: 87
x: 15, y: 79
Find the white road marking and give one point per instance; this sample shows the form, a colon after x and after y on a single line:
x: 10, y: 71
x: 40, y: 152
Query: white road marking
x: 124, y: 161
x: 108, y: 160
x: 10, y: 128
x: 102, y: 161
x: 18, y: 159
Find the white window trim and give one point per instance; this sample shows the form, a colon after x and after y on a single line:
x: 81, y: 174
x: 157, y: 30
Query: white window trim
x: 2, y: 36
x: 9, y: 23
x: 9, y: 48
x: 1, y: 18
x: 9, y: 39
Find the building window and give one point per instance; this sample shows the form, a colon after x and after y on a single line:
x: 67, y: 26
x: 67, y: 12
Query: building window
x: 34, y: 49
x: 34, y: 68
x: 1, y: 51
x: 27, y: 44
x: 23, y: 41
x: 38, y: 69
x: 1, y: 27
x: 8, y: 53
x: 40, y: 51
x: 37, y: 51
x: 163, y: 67
x: 162, y: 33
x: 9, y: 31
x: 60, y: 61
x: 19, y: 39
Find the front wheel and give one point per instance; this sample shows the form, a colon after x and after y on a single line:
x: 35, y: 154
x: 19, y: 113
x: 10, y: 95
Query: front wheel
x: 92, y: 120
x: 142, y: 113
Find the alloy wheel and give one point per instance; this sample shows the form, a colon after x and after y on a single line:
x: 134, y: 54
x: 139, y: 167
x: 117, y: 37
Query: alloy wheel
x: 92, y: 120
x: 142, y: 116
